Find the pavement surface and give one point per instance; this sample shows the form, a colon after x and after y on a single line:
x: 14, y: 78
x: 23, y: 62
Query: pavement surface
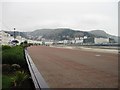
x: 68, y: 68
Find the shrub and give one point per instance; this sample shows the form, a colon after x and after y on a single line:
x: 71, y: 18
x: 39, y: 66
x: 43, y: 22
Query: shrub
x: 4, y: 47
x: 6, y: 82
x: 14, y: 55
x: 24, y: 44
x: 15, y: 67
x: 19, y: 78
x: 6, y: 68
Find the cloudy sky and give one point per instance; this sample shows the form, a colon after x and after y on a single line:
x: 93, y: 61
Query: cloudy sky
x: 85, y: 16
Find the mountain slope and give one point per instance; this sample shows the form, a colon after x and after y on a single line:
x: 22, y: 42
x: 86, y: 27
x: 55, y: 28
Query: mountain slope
x: 101, y: 33
x: 17, y: 33
x: 40, y: 32
x: 59, y: 34
x: 64, y: 33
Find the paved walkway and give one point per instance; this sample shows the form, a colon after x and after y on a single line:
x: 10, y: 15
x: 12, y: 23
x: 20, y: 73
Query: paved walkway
x: 67, y: 68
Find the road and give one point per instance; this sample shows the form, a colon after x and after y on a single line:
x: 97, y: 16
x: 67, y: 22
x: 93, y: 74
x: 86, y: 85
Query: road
x: 67, y: 68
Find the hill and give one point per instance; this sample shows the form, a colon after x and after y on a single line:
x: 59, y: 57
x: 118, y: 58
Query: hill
x: 66, y: 33
x: 63, y: 33
x: 40, y: 32
x: 59, y: 34
x: 102, y: 33
x: 99, y: 33
x: 17, y: 33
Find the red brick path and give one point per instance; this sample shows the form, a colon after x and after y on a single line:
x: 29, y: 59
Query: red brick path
x: 66, y: 68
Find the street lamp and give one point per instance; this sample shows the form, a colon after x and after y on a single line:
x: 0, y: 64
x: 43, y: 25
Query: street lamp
x: 14, y: 33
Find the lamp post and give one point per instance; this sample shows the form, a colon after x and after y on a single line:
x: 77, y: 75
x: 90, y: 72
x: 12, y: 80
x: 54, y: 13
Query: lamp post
x: 14, y: 33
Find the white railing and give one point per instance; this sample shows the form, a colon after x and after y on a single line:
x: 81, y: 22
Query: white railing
x: 37, y: 78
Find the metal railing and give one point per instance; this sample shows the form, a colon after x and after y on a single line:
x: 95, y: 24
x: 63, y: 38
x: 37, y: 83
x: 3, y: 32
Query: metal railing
x: 37, y: 78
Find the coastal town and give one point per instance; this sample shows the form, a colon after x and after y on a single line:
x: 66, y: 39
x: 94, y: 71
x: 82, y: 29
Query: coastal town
x: 6, y: 39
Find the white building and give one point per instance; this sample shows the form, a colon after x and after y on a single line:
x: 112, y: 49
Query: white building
x: 72, y: 41
x: 65, y: 41
x: 101, y: 40
x: 77, y: 38
x: 48, y: 42
x: 34, y: 41
x: 20, y: 39
x: 6, y: 38
x: 79, y: 41
x: 60, y: 42
x: 85, y: 37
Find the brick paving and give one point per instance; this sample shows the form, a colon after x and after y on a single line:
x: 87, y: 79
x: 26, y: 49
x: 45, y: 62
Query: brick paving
x: 67, y: 68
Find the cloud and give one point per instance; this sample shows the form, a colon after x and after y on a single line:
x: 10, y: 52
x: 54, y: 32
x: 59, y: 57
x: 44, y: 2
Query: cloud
x: 86, y: 16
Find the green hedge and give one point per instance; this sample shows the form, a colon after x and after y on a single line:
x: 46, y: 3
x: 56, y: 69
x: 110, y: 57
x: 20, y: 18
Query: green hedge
x: 4, y: 47
x: 13, y: 55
